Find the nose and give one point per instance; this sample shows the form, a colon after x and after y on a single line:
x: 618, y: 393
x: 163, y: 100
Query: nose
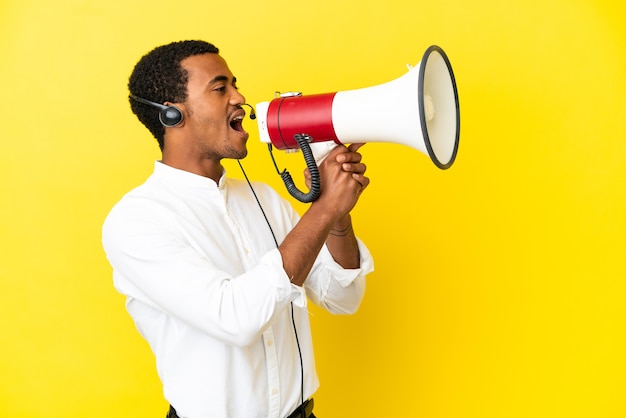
x: 237, y: 98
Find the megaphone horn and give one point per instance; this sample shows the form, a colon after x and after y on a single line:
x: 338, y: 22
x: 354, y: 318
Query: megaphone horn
x: 419, y: 109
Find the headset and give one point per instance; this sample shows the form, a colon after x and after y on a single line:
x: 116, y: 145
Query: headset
x: 171, y: 116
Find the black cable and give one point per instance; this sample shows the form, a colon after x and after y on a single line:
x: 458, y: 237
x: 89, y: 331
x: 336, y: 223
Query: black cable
x: 258, y: 203
x: 309, y: 159
x: 293, y: 320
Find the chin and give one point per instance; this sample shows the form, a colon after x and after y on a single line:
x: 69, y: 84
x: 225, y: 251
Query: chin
x: 239, y: 154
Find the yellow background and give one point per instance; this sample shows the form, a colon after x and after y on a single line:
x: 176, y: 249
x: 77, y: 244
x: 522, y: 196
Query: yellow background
x: 499, y: 284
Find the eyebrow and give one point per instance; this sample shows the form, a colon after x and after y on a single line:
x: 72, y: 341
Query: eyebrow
x: 222, y: 78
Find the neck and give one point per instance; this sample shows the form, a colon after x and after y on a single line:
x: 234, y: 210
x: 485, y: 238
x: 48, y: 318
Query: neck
x: 205, y: 167
x: 180, y: 152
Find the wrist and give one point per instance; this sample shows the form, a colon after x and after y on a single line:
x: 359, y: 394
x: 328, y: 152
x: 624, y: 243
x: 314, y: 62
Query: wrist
x: 342, y: 226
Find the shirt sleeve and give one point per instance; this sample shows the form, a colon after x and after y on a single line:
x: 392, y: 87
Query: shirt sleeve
x: 329, y: 285
x: 334, y: 288
x: 154, y: 264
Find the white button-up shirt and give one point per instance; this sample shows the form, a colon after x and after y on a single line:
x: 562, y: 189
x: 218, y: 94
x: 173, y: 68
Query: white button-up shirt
x: 206, y: 288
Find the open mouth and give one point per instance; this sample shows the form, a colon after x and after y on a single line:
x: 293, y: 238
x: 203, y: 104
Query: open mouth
x: 236, y: 124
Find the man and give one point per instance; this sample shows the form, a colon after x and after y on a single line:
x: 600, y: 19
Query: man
x: 216, y: 282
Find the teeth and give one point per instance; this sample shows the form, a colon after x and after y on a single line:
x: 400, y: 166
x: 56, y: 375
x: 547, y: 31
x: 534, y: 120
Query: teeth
x: 236, y: 123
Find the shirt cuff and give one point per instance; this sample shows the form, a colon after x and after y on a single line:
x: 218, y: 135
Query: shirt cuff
x: 286, y: 291
x: 344, y: 276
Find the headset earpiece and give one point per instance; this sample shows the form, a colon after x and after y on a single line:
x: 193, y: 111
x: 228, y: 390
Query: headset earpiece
x: 169, y: 116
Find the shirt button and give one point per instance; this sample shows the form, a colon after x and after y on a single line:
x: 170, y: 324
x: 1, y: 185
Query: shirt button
x: 275, y: 391
x: 270, y: 342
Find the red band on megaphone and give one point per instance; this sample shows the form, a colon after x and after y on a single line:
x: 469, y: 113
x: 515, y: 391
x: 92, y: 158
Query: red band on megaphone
x: 310, y: 115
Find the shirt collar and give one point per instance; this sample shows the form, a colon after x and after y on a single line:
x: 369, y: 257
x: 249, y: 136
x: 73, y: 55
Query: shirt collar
x: 179, y: 177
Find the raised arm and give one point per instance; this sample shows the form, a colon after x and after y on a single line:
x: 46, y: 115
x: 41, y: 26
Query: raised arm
x: 328, y: 218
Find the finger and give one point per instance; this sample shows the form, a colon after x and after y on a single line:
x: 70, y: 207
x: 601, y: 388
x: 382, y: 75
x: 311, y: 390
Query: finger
x: 349, y: 157
x: 358, y: 168
x: 347, y: 153
x: 361, y: 179
x: 354, y: 147
x: 307, y: 178
x: 361, y: 182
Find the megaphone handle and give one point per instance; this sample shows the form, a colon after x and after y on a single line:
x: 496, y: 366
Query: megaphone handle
x: 314, y: 192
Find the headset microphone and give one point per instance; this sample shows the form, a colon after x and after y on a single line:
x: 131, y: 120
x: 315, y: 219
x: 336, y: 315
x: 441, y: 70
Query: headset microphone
x: 252, y: 114
x: 169, y: 116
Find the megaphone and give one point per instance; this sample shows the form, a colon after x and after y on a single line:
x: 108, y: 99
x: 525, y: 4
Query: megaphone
x: 419, y: 109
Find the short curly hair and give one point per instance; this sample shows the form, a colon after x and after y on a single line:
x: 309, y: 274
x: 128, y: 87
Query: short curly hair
x: 159, y: 77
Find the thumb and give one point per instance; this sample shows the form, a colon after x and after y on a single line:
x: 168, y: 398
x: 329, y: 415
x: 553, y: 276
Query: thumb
x: 356, y: 146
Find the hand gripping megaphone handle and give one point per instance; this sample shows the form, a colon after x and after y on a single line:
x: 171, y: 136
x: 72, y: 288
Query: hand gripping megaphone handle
x: 314, y: 192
